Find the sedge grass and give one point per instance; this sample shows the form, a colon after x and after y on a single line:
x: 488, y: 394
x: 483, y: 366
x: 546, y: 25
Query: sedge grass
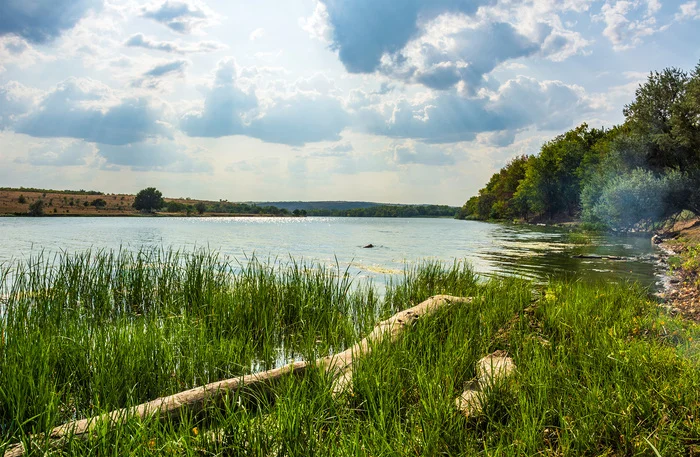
x: 600, y: 370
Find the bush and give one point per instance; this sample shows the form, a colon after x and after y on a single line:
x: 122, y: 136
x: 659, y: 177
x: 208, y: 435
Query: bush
x: 37, y: 208
x: 200, y: 207
x: 99, y: 203
x: 634, y: 198
x: 22, y: 200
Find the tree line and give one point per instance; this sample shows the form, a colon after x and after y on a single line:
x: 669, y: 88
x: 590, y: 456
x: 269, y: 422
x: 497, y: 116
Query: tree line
x: 627, y: 177
x: 389, y: 211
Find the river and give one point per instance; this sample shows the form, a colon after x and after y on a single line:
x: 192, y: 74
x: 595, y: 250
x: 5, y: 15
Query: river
x: 492, y: 249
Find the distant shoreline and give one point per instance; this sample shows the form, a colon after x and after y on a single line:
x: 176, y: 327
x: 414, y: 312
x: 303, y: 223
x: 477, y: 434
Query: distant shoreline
x: 36, y: 202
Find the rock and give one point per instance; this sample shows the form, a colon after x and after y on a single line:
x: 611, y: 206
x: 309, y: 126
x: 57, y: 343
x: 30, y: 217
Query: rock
x: 369, y: 246
x: 656, y: 239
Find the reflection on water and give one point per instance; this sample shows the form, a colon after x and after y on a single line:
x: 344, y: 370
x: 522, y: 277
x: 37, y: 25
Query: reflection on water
x: 530, y: 252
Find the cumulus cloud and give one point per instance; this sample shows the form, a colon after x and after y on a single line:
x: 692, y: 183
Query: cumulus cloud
x: 627, y: 22
x: 226, y: 106
x: 182, y: 17
x: 15, y: 100
x: 17, y: 51
x: 441, y: 60
x: 140, y: 41
x: 443, y: 43
x: 40, y: 21
x: 152, y: 156
x: 82, y: 108
x: 296, y: 119
x: 303, y: 118
x: 688, y: 11
x: 364, y: 30
x: 451, y: 117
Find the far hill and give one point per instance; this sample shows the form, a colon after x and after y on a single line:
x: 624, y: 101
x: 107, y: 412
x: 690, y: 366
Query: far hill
x: 20, y: 201
x: 330, y: 205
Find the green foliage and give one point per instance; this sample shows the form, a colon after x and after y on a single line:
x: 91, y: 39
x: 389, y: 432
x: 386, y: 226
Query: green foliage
x: 200, y: 207
x: 98, y: 203
x: 600, y: 370
x: 631, y: 199
x: 389, y: 211
x: 36, y: 208
x: 148, y: 200
x: 580, y: 174
x: 175, y: 207
x: 22, y: 200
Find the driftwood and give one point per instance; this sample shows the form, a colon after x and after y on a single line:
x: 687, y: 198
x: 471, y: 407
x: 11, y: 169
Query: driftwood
x: 490, y: 370
x: 194, y: 400
x: 603, y: 257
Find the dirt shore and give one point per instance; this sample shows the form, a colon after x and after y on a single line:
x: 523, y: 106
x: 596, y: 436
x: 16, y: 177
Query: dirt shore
x: 681, y: 294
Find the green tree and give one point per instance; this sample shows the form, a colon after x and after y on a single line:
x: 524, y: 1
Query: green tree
x: 99, y: 203
x: 37, y: 208
x: 660, y: 104
x: 200, y: 207
x: 21, y: 199
x: 148, y: 200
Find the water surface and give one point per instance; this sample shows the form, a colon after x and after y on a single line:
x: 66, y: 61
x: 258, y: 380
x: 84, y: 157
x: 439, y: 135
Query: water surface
x: 492, y: 249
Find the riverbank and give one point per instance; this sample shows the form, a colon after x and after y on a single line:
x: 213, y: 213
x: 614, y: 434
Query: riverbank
x: 601, y: 370
x: 681, y: 244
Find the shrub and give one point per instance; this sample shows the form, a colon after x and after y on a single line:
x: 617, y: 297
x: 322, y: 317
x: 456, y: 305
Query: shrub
x: 37, y: 208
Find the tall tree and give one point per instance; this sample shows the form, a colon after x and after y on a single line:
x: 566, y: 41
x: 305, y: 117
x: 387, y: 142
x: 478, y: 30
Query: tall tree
x: 149, y: 200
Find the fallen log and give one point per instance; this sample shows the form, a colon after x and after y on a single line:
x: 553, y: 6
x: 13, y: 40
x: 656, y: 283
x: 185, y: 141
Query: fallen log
x: 490, y: 370
x: 601, y: 257
x: 193, y: 400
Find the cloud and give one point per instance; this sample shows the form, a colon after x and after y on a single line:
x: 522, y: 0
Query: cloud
x: 153, y: 78
x: 303, y: 118
x: 226, y: 106
x: 443, y: 43
x: 60, y: 153
x: 15, y: 100
x: 411, y: 153
x: 85, y: 109
x: 41, y: 21
x: 141, y: 41
x: 152, y: 156
x: 497, y: 139
x: 296, y: 119
x: 688, y: 11
x: 365, y: 30
x: 176, y: 66
x: 627, y: 22
x: 451, y: 117
x: 181, y: 17
x: 440, y: 60
x: 256, y: 34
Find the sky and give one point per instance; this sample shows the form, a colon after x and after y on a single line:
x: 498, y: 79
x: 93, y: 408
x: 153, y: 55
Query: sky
x: 397, y: 101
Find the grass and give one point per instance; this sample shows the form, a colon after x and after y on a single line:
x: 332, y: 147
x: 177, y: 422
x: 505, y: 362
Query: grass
x: 600, y: 370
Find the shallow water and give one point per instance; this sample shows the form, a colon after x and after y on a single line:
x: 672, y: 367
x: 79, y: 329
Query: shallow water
x: 492, y: 249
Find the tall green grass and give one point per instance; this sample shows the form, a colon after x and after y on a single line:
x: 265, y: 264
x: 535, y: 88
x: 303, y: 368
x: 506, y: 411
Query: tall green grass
x: 600, y: 371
